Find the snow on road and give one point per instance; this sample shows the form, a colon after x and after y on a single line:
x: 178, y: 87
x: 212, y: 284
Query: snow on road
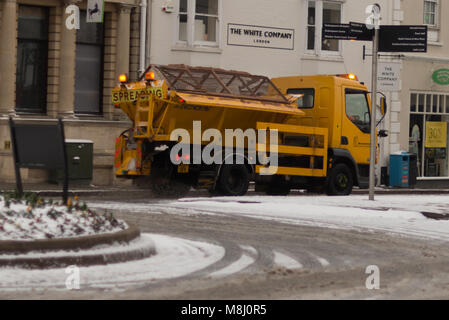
x: 243, y: 262
x: 175, y: 257
x: 400, y: 214
x: 286, y: 261
x: 390, y: 213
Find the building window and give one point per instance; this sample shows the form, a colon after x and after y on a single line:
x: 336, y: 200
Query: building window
x: 198, y: 22
x: 89, y: 67
x: 311, y: 26
x: 428, y: 134
x: 324, y: 12
x: 183, y: 20
x: 32, y: 59
x: 430, y: 12
x: 431, y: 18
x: 331, y: 14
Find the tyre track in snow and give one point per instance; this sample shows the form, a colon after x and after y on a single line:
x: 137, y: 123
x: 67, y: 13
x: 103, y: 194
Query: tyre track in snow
x: 303, y: 243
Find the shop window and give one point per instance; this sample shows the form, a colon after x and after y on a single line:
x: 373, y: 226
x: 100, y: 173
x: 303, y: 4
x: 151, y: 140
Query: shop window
x: 326, y: 12
x: 421, y: 98
x: 89, y: 67
x: 413, y: 102
x: 357, y: 110
x: 428, y: 134
x: 198, y: 22
x: 307, y: 99
x: 32, y: 59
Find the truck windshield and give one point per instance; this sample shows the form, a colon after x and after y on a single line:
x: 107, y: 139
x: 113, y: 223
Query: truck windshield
x: 357, y: 109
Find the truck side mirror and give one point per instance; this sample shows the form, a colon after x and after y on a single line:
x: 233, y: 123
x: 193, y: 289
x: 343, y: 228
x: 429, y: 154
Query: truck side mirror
x: 383, y: 106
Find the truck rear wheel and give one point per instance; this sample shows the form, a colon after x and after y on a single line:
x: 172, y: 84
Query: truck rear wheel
x: 234, y: 180
x: 340, y: 180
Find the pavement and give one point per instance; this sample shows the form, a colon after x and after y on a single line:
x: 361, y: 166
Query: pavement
x: 53, y: 190
x: 50, y: 190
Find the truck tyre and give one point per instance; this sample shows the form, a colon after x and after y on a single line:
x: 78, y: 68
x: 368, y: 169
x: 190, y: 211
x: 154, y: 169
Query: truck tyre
x: 234, y: 180
x: 340, y: 180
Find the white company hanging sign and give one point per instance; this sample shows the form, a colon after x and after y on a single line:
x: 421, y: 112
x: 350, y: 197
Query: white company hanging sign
x: 388, y: 76
x: 261, y: 37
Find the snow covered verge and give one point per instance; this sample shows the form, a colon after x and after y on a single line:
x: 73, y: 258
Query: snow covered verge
x: 31, y: 218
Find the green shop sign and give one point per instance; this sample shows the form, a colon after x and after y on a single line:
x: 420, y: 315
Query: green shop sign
x: 441, y: 76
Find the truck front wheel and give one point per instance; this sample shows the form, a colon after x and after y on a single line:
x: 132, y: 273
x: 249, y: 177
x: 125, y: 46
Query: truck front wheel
x: 234, y: 180
x: 340, y: 180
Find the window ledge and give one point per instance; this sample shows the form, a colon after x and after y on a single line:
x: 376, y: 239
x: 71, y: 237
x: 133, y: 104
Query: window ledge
x: 323, y: 57
x: 87, y: 116
x: 25, y: 114
x: 197, y: 49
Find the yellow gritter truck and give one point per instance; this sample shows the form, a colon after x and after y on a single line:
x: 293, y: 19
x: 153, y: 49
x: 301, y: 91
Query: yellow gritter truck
x: 220, y: 129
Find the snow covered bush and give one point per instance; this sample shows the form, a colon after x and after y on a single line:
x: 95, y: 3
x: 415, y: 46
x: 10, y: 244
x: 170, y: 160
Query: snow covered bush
x: 30, y: 217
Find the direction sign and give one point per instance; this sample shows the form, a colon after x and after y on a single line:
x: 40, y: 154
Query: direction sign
x: 360, y: 32
x: 336, y: 31
x: 403, y: 39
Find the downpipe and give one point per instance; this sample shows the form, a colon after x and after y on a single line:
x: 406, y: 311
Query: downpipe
x: 143, y: 34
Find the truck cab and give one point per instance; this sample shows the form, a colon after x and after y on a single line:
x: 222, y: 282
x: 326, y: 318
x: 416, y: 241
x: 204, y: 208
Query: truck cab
x: 341, y: 104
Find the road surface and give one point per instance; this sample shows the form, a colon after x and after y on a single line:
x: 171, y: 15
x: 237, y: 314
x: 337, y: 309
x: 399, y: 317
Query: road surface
x: 269, y: 259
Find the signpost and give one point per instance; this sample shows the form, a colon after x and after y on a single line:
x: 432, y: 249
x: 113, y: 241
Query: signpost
x: 385, y: 39
x: 372, y: 161
x: 403, y: 39
x: 360, y: 32
x: 352, y: 31
x: 334, y: 31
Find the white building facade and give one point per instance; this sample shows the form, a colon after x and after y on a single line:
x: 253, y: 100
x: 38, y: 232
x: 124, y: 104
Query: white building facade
x: 272, y: 38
